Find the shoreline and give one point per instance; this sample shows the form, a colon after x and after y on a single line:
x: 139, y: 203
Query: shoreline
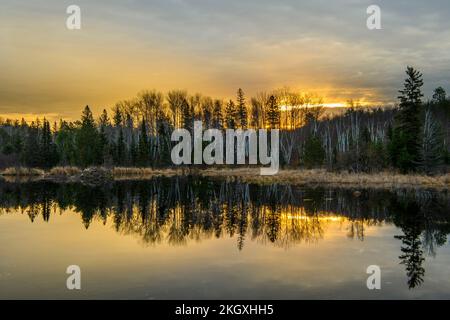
x: 300, y: 177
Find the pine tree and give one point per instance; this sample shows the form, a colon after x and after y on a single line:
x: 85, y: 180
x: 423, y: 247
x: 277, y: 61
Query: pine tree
x: 273, y: 113
x: 118, y: 119
x: 65, y: 143
x: 17, y: 141
x: 439, y: 95
x: 31, y: 155
x: 314, y: 153
x: 87, y: 140
x: 230, y: 115
x: 104, y: 119
x: 217, y: 115
x: 405, y: 143
x: 47, y: 149
x: 242, y: 114
x: 103, y: 151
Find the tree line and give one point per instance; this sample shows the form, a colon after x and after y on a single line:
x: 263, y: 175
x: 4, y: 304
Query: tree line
x: 413, y: 136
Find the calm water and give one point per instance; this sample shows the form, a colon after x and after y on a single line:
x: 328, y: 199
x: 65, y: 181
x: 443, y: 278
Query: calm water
x: 180, y: 238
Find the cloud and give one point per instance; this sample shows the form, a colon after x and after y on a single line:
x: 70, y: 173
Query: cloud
x: 213, y: 47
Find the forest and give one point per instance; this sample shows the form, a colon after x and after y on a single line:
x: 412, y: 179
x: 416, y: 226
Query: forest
x: 413, y: 136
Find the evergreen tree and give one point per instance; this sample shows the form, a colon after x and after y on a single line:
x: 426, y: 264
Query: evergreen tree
x: 242, y: 116
x: 17, y: 141
x: 273, y: 113
x: 104, y: 119
x: 65, y: 143
x: 314, y: 153
x: 439, y: 95
x: 117, y: 118
x: 230, y: 115
x: 31, y: 153
x: 103, y: 151
x: 47, y: 149
x: 405, y: 143
x: 217, y: 121
x: 87, y: 140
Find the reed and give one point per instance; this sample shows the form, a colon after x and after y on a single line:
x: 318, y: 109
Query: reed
x: 314, y: 177
x: 22, y: 172
x: 64, y: 171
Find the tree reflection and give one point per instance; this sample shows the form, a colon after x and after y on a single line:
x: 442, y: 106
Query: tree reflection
x: 179, y: 210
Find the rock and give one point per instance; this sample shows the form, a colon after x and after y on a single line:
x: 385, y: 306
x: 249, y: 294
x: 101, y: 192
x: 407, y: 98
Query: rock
x: 95, y: 176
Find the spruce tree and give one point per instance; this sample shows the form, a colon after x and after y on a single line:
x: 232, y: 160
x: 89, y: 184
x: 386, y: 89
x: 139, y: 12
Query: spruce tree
x: 314, y: 153
x: 47, y: 149
x: 31, y: 155
x: 87, y: 140
x: 117, y: 118
x: 405, y: 143
x: 230, y: 115
x: 103, y: 151
x: 217, y: 115
x: 65, y: 143
x: 242, y: 115
x: 273, y: 113
x: 439, y: 95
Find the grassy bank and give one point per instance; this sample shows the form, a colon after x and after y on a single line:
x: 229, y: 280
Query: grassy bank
x: 316, y: 177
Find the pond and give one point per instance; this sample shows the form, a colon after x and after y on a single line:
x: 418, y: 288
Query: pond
x: 186, y: 238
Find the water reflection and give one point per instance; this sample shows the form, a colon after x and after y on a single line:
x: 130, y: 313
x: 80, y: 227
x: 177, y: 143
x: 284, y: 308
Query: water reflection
x: 179, y: 210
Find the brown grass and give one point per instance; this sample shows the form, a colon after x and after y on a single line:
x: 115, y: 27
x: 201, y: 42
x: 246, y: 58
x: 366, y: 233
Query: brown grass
x: 383, y: 180
x: 22, y: 172
x: 64, y: 171
x: 121, y: 173
x: 315, y: 177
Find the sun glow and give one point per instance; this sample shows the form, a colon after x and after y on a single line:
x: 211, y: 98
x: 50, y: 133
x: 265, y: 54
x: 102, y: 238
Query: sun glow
x: 326, y: 105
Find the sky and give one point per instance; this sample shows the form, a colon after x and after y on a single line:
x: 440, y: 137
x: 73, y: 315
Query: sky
x: 214, y: 47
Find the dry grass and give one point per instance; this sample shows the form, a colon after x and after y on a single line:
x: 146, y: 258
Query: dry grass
x: 123, y: 173
x: 384, y: 180
x: 64, y: 171
x: 22, y: 172
x: 316, y: 177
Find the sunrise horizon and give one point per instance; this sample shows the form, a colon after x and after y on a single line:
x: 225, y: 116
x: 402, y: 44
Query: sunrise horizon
x: 214, y: 49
